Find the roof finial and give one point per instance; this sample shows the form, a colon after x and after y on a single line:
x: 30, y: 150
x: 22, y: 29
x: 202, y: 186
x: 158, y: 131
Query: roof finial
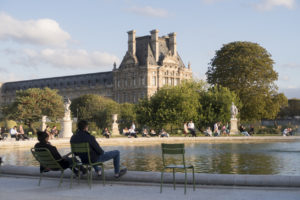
x: 189, y: 65
x: 115, y: 65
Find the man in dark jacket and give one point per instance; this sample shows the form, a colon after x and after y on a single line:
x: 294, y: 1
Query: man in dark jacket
x: 97, y: 154
x: 65, y: 162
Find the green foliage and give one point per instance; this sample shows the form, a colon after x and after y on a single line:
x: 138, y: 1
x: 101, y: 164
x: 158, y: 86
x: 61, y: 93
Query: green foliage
x: 95, y: 108
x: 292, y: 110
x: 8, y: 124
x: 215, y: 105
x: 31, y: 104
x: 268, y: 130
x: 247, y: 69
x: 171, y: 107
x: 127, y: 115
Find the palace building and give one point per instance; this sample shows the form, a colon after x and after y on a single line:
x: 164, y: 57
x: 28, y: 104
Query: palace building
x: 149, y: 63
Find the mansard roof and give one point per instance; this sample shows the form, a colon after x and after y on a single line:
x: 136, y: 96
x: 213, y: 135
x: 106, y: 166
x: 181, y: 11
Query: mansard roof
x: 145, y: 53
x: 100, y: 78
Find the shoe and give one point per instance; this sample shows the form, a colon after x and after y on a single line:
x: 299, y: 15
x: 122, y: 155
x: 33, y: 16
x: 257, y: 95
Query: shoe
x: 121, y: 173
x: 83, y: 170
x: 99, y: 173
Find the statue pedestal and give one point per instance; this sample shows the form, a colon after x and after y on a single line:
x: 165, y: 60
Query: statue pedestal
x: 233, y: 126
x: 115, y: 129
x: 66, y: 128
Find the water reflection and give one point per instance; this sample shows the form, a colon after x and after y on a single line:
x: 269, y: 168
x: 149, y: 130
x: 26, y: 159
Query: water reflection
x: 229, y: 158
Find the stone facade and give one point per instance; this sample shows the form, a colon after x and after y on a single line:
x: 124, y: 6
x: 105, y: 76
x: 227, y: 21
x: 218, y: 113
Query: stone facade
x: 149, y: 63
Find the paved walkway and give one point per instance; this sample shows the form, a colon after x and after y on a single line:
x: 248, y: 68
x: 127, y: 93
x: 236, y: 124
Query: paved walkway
x: 25, y: 188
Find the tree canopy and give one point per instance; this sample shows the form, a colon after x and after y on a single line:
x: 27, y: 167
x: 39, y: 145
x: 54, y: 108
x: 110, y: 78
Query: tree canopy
x: 215, y: 105
x: 31, y: 104
x: 246, y: 68
x: 95, y: 108
x: 196, y: 101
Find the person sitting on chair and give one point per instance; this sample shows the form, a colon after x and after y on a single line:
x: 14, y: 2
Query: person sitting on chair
x: 163, y: 133
x: 97, y: 154
x: 65, y: 161
x: 106, y: 133
x: 153, y: 133
x: 22, y: 133
x: 145, y: 133
x: 14, y: 133
x: 125, y: 131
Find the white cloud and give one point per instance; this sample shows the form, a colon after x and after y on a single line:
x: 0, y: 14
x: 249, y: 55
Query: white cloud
x: 67, y: 58
x: 285, y: 78
x: 41, y: 31
x: 149, y: 11
x: 270, y: 4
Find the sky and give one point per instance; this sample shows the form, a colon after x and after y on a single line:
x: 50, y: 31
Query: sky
x: 40, y: 39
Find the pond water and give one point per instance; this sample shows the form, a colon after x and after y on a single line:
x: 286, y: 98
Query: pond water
x: 220, y: 158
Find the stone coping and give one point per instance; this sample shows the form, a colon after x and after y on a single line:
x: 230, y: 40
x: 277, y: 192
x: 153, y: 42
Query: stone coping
x: 154, y: 177
x: 124, y: 141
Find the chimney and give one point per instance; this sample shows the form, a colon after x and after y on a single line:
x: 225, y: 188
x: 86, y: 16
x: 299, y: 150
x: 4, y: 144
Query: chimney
x: 131, y: 42
x: 154, y: 43
x: 172, y: 43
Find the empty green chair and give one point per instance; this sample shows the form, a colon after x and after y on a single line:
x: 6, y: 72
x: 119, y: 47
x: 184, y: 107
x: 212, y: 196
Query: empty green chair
x: 175, y: 149
x: 79, y: 148
x: 45, y: 158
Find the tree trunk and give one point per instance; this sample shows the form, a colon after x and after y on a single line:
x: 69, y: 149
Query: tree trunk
x: 32, y: 128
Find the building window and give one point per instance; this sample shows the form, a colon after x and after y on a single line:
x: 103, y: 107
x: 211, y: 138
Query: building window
x: 143, y: 81
x: 170, y: 81
x: 153, y: 80
x: 134, y: 81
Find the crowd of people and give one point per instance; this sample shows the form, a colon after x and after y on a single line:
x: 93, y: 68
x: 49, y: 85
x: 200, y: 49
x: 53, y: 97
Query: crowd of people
x: 218, y: 129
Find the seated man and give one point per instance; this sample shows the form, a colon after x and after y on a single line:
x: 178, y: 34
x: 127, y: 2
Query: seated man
x: 243, y: 131
x: 65, y: 161
x: 163, y: 133
x: 106, y: 133
x: 208, y: 132
x: 132, y: 133
x: 14, y: 133
x: 96, y: 152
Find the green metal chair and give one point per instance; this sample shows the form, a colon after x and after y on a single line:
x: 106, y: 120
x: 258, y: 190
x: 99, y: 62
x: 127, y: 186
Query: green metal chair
x: 45, y: 158
x: 175, y: 149
x: 85, y: 148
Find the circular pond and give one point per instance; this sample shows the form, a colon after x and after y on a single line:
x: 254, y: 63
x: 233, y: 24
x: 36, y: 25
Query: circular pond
x: 221, y: 158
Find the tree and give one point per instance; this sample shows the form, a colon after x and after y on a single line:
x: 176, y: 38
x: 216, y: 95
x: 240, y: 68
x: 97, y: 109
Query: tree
x: 127, y: 115
x: 171, y: 106
x: 292, y: 110
x: 95, y: 108
x: 31, y: 104
x: 215, y: 105
x: 247, y: 69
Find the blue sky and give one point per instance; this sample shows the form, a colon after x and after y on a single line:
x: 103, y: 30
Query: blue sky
x: 55, y: 38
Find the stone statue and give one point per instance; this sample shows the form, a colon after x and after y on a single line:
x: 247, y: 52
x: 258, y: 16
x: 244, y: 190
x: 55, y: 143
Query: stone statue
x: 234, y: 111
x: 66, y: 122
x: 67, y: 103
x: 115, y: 125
